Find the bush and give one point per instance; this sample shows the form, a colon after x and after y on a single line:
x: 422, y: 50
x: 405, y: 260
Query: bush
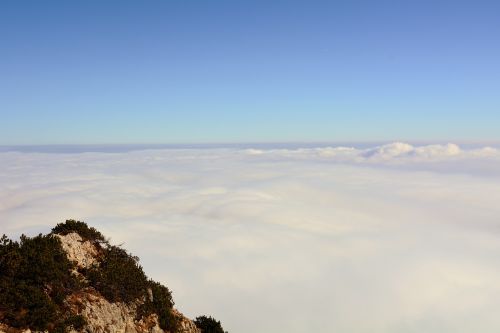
x: 35, y: 279
x: 208, y: 325
x: 87, y: 233
x: 25, y: 306
x: 160, y: 302
x: 119, y: 277
x: 44, y: 262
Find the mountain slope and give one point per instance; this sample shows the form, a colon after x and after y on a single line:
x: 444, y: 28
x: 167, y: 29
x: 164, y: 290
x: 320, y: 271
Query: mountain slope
x: 74, y: 280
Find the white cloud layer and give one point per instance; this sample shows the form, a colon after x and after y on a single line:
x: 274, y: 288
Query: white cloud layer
x: 393, y: 238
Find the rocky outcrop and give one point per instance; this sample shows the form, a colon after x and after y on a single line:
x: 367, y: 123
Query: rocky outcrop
x: 106, y: 317
x: 84, y: 253
x: 186, y: 324
x: 101, y: 315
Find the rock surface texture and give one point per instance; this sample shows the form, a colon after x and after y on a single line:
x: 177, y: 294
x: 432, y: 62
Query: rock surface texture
x: 84, y: 253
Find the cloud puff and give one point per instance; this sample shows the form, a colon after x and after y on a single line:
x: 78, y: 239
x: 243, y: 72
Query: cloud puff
x: 388, y: 151
x: 397, y: 152
x: 403, y: 150
x: 396, y: 238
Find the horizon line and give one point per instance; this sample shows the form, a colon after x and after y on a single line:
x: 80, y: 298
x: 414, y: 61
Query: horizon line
x: 231, y: 143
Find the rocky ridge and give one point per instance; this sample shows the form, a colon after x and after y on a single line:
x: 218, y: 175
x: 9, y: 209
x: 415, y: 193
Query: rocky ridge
x: 100, y: 314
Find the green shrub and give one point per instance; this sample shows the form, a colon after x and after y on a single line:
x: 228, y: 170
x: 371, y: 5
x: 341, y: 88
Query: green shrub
x: 44, y: 262
x: 23, y: 305
x: 208, y: 325
x: 86, y: 232
x: 35, y: 279
x: 168, y: 321
x: 161, y: 304
x: 119, y: 277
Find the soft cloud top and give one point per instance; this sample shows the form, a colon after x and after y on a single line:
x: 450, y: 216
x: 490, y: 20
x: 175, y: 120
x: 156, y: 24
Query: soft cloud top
x: 395, y: 238
x: 396, y: 152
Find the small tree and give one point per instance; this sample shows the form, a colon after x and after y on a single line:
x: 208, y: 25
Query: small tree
x: 35, y: 279
x: 119, y: 277
x: 159, y: 301
x: 208, y: 325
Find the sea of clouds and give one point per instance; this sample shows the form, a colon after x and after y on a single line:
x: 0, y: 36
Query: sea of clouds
x: 393, y: 238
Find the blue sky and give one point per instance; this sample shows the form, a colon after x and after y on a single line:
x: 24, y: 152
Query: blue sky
x: 248, y: 71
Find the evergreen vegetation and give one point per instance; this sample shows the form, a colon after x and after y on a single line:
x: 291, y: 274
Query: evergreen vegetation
x: 34, y: 281
x: 87, y: 233
x: 159, y: 301
x: 208, y: 325
x: 119, y: 277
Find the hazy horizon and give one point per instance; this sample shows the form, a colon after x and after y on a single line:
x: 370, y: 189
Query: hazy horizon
x: 128, y: 147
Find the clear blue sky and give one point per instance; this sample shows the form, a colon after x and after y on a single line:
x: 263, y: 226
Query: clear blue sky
x: 248, y: 71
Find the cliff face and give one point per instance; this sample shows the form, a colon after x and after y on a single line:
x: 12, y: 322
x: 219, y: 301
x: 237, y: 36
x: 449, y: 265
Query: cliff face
x: 100, y: 314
